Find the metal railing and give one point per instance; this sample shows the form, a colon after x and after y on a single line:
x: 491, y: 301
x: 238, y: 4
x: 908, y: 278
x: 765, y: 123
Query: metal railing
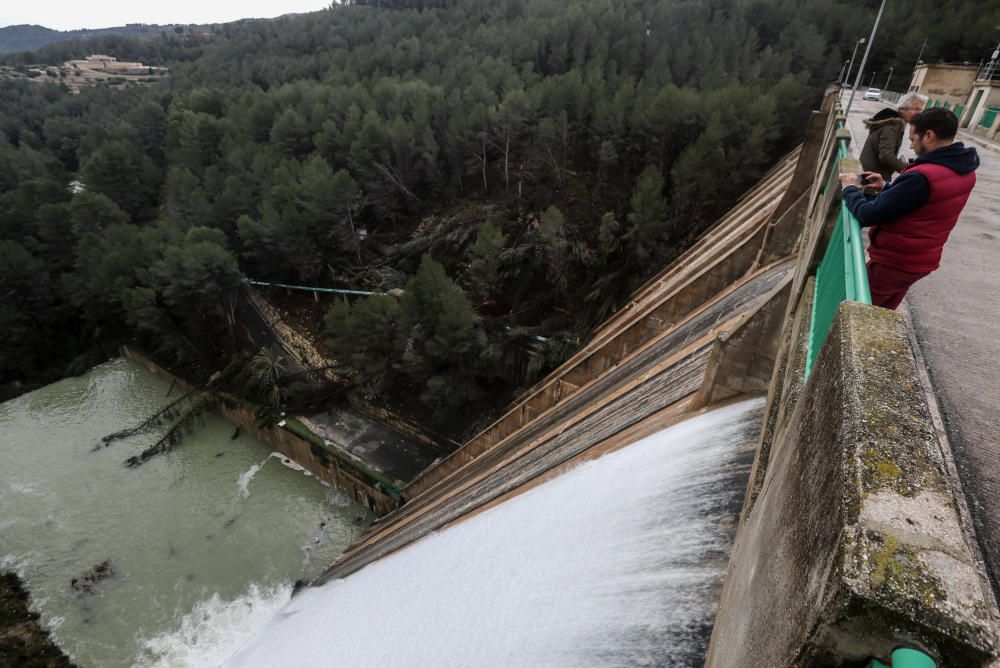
x: 988, y: 71
x: 841, y: 275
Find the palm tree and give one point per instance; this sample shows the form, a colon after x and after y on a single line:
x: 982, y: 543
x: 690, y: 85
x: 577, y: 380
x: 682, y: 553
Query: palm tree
x: 268, y: 366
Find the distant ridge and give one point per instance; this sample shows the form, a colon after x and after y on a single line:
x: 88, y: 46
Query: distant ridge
x: 32, y: 37
x: 25, y: 37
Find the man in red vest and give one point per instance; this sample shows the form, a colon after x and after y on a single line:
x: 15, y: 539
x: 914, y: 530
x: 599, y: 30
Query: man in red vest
x: 909, y: 219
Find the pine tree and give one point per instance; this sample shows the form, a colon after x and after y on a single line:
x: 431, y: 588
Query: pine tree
x: 441, y: 338
x: 648, y: 222
x: 485, y: 260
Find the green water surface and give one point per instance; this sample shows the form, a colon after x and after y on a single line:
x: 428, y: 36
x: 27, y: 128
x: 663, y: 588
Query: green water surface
x: 198, y: 524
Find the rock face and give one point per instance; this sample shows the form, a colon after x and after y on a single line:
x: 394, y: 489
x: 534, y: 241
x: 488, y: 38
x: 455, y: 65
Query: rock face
x: 100, y: 572
x: 23, y: 642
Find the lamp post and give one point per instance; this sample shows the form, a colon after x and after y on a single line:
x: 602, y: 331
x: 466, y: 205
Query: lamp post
x: 991, y: 66
x: 847, y: 77
x: 888, y: 79
x: 872, y: 82
x: 842, y: 77
x: 917, y: 64
x: 864, y: 59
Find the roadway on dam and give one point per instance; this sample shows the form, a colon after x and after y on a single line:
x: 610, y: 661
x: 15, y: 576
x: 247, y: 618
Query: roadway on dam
x: 956, y: 317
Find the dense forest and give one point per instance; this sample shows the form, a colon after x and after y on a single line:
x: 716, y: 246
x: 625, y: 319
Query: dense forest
x: 516, y: 167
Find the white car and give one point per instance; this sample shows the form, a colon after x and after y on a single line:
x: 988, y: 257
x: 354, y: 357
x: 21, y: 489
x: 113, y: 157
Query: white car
x: 873, y: 94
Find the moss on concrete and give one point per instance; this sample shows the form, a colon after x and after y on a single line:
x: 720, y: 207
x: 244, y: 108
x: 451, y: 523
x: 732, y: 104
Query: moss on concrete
x: 897, y: 577
x: 381, y: 481
x: 900, y: 450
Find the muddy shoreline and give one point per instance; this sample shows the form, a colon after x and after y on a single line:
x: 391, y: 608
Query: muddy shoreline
x: 23, y: 641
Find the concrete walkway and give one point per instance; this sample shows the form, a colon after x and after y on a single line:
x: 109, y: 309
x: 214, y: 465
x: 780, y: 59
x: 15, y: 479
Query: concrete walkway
x: 956, y: 317
x: 373, y: 443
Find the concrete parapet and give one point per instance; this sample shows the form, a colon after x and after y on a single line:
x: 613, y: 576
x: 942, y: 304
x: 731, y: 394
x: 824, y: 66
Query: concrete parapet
x: 854, y: 545
x: 786, y: 385
x: 742, y: 359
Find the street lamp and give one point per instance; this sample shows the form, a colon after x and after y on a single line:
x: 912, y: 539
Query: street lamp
x: 842, y: 77
x: 919, y: 56
x: 993, y: 61
x: 872, y: 82
x: 847, y: 77
x: 888, y: 79
x: 864, y: 59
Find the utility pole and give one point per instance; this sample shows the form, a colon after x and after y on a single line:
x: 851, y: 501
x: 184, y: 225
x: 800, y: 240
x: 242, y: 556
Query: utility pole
x: 847, y: 77
x: 864, y: 59
x: 888, y: 79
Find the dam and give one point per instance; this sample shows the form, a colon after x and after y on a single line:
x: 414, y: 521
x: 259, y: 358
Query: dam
x: 741, y: 467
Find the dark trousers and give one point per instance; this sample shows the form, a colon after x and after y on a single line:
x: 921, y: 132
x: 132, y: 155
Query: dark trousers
x: 889, y: 285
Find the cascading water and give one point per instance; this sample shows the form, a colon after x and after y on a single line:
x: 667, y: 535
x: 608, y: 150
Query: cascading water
x: 617, y: 562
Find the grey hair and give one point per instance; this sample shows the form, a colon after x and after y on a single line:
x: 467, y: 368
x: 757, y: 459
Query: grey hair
x: 907, y: 100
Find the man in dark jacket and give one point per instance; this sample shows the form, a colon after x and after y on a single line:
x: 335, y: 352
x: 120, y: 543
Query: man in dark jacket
x: 910, y: 219
x: 885, y: 135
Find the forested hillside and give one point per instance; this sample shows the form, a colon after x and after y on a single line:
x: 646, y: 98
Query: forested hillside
x: 516, y: 167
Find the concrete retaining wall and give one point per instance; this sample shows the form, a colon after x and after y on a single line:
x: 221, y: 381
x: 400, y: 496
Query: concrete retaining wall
x: 320, y: 460
x: 853, y: 545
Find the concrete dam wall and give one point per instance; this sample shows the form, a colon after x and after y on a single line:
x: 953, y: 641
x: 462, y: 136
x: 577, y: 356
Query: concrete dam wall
x: 852, y: 539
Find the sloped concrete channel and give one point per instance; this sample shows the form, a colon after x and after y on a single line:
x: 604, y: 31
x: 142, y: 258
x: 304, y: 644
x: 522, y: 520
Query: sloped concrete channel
x: 662, y: 373
x: 716, y: 314
x: 481, y: 485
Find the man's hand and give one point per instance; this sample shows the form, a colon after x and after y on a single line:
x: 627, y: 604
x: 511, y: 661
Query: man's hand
x: 849, y: 179
x: 873, y: 182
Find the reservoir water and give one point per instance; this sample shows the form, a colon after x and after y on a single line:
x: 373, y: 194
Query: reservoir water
x: 618, y: 562
x: 201, y: 543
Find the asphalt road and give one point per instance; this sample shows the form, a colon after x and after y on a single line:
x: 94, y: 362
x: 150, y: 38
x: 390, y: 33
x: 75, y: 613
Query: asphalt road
x: 956, y: 317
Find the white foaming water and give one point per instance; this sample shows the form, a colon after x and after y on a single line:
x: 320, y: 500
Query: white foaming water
x: 289, y: 464
x: 213, y: 630
x: 617, y: 562
x: 244, y: 482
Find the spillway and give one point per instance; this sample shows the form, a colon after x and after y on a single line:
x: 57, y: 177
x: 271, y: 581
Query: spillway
x: 618, y: 561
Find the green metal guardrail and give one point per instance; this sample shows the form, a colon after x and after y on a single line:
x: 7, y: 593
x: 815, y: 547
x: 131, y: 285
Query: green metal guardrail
x: 989, y: 116
x: 841, y: 275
